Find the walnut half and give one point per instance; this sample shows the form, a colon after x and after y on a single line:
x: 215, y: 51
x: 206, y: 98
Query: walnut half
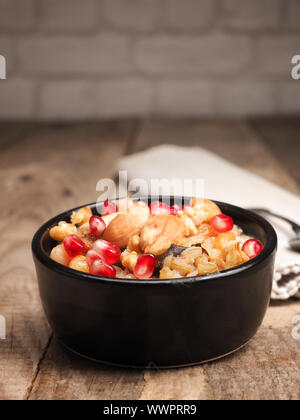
x: 160, y: 232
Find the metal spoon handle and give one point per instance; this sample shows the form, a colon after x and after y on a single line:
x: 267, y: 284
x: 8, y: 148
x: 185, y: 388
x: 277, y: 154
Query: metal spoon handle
x: 295, y: 226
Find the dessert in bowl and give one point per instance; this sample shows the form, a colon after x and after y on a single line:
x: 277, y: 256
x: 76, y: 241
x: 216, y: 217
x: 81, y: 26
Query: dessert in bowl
x: 160, y: 284
x: 155, y: 241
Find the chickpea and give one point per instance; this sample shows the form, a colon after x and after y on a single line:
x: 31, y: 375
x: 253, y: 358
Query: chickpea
x: 63, y: 229
x: 79, y: 263
x: 59, y: 255
x: 81, y: 216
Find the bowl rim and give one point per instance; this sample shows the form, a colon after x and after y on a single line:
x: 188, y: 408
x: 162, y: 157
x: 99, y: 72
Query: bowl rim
x: 44, y: 258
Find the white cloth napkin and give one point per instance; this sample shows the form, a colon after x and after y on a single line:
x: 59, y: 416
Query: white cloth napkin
x: 224, y: 181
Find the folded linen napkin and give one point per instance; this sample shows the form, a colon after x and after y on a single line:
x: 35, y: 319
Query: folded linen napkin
x: 224, y: 181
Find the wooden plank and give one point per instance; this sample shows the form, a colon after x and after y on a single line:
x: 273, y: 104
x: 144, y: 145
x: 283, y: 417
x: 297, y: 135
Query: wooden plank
x: 269, y: 366
x: 11, y: 130
x: 267, y: 369
x: 234, y: 140
x: 54, y: 169
x: 49, y: 169
x: 65, y: 376
x: 282, y: 136
x: 188, y: 383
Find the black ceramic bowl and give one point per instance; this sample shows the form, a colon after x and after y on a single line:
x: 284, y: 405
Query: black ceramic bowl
x: 165, y: 323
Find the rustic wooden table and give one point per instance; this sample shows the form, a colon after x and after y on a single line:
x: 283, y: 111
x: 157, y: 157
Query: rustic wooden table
x: 45, y: 169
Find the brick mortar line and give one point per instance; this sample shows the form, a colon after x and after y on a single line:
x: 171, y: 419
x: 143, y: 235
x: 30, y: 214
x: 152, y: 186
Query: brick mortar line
x: 215, y: 20
x: 47, y: 78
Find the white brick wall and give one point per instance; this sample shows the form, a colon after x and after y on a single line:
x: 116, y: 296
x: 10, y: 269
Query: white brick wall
x: 125, y: 98
x: 291, y: 18
x: 67, y: 99
x: 84, y: 100
x: 274, y: 54
x: 251, y: 14
x: 82, y: 59
x: 289, y: 98
x: 185, y: 98
x: 69, y: 15
x: 17, y: 99
x: 17, y: 15
x: 188, y: 15
x: 60, y: 54
x: 139, y: 15
x: 245, y: 98
x: 208, y: 54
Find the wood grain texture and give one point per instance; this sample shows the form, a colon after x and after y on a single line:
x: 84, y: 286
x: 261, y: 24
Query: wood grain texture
x: 11, y: 131
x: 268, y: 368
x: 65, y: 376
x: 50, y: 168
x: 45, y: 171
x: 189, y: 383
x: 282, y: 136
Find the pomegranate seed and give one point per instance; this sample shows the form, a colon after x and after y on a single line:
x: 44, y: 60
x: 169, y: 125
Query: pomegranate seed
x: 252, y: 248
x: 158, y: 207
x: 97, y: 225
x: 92, y: 256
x: 108, y: 251
x: 222, y: 223
x: 145, y: 266
x: 73, y: 245
x: 100, y: 268
x: 108, y: 208
x: 174, y: 209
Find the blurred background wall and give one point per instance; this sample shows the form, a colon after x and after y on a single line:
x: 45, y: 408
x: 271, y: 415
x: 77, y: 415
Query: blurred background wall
x: 84, y: 59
